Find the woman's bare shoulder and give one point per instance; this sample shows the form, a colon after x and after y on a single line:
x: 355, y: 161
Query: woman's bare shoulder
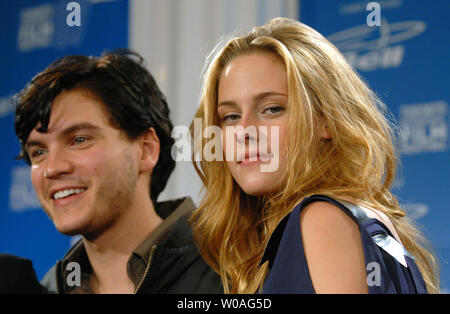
x: 333, y: 249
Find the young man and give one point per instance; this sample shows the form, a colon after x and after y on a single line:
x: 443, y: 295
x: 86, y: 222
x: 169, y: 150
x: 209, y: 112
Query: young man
x: 97, y: 134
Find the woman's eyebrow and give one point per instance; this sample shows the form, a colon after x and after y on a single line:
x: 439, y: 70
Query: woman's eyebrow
x: 265, y: 95
x: 257, y: 98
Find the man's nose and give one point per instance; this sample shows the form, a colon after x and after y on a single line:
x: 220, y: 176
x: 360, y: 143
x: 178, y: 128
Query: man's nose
x: 57, y: 164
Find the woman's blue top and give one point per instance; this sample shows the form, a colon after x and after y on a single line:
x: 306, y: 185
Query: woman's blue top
x: 389, y: 267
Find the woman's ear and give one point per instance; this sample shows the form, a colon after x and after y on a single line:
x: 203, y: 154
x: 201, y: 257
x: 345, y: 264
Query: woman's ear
x: 149, y: 144
x: 324, y: 131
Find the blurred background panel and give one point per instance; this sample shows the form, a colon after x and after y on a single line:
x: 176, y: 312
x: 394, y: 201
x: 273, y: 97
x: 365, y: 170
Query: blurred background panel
x: 405, y: 60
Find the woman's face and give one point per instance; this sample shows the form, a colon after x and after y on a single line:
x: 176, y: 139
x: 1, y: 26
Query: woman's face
x: 252, y: 108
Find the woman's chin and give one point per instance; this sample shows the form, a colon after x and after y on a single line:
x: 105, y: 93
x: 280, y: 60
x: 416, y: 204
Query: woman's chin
x: 257, y: 189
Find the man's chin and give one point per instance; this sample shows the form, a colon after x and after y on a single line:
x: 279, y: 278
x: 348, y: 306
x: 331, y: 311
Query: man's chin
x: 71, y: 229
x: 88, y: 231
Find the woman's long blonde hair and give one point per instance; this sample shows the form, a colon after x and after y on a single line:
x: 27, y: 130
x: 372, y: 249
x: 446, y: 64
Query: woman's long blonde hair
x: 232, y: 228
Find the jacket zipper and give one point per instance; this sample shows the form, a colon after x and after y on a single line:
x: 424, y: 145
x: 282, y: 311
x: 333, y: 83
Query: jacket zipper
x: 147, y: 269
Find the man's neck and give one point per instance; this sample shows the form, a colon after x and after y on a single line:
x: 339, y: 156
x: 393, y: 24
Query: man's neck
x: 109, y: 252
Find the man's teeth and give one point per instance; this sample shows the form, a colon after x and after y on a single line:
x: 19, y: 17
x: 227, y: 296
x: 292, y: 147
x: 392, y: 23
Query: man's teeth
x: 67, y: 192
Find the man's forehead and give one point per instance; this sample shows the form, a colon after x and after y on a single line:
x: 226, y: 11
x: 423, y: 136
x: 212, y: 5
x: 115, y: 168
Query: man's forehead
x: 76, y: 106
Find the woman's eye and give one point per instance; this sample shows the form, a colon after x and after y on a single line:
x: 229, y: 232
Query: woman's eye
x: 274, y: 109
x: 230, y: 118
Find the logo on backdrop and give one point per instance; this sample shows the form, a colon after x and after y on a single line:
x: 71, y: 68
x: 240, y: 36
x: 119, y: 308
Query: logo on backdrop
x: 416, y: 210
x: 371, y: 48
x: 22, y: 196
x: 51, y: 25
x: 423, y: 128
x: 36, y: 27
x: 6, y: 106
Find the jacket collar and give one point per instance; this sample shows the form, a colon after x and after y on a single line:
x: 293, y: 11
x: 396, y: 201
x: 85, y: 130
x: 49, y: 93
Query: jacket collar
x: 172, y: 237
x: 175, y: 252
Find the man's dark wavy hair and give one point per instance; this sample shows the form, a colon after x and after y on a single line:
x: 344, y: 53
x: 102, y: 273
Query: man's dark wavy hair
x: 121, y: 82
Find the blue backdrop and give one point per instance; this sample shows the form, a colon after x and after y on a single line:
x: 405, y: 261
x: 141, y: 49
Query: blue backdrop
x: 406, y: 61
x: 34, y: 34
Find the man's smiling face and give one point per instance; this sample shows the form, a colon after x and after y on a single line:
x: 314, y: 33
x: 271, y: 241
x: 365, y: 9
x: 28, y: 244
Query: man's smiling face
x: 83, y: 169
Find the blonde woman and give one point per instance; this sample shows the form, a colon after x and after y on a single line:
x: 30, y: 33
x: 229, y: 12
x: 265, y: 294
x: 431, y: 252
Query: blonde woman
x: 319, y: 218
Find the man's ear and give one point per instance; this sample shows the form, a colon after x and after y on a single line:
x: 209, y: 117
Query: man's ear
x: 149, y: 144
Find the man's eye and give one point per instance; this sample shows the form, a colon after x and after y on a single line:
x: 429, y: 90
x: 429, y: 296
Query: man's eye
x: 79, y: 139
x: 36, y: 153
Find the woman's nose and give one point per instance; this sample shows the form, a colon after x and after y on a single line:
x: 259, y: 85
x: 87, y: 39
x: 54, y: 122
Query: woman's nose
x: 247, y: 129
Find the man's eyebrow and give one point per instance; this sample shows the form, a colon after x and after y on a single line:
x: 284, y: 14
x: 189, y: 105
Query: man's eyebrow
x: 67, y: 131
x: 29, y: 144
x: 79, y: 126
x: 256, y: 98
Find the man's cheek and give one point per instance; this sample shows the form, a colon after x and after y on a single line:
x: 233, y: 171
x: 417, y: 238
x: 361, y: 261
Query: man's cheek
x: 36, y: 181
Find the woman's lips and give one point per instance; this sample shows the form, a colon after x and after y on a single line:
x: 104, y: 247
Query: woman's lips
x: 251, y: 158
